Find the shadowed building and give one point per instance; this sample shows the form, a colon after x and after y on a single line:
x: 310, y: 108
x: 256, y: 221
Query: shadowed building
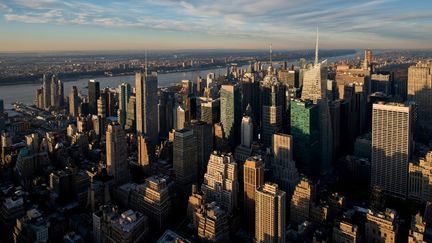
x: 391, y: 147
x: 93, y: 96
x: 420, y: 91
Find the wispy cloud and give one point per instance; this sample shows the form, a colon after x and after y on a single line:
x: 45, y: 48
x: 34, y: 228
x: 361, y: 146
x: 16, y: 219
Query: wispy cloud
x: 280, y: 20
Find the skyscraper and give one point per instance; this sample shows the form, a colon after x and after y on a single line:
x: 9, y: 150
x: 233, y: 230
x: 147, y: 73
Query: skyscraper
x: 253, y: 178
x: 144, y: 152
x: 391, y: 147
x: 147, y: 105
x: 213, y: 224
x: 246, y: 131
x: 283, y: 167
x: 305, y: 133
x: 101, y: 108
x: 152, y: 198
x: 270, y: 213
x: 301, y: 201
x: 93, y: 96
x: 420, y: 91
x: 73, y: 101
x: 230, y: 112
x: 381, y: 226
x: 116, y: 153
x: 124, y: 94
x: 131, y: 114
x: 221, y: 182
x: 57, y: 94
x: 273, y: 106
x: 315, y: 88
x: 250, y: 88
x: 46, y: 83
x: 185, y: 157
x: 165, y: 112
x: 210, y: 111
x: 204, y: 135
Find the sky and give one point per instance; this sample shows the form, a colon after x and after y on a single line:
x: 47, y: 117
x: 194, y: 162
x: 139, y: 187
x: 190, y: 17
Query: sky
x: 54, y: 25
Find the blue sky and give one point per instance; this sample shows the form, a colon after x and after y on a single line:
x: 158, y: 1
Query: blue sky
x: 29, y: 25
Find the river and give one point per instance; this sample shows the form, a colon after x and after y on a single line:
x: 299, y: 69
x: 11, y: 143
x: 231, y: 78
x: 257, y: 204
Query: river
x: 26, y: 93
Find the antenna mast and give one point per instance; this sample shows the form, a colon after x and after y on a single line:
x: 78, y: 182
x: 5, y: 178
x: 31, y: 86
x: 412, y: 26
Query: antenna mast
x: 316, y: 47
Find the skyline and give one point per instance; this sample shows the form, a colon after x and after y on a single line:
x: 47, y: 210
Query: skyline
x: 52, y: 25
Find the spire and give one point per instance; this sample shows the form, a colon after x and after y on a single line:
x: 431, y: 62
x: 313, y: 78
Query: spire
x: 316, y: 48
x: 271, y: 54
x: 146, y: 68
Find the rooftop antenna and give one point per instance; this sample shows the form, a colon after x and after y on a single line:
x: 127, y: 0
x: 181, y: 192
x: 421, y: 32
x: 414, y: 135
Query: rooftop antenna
x: 146, y: 68
x: 271, y: 55
x: 316, y: 47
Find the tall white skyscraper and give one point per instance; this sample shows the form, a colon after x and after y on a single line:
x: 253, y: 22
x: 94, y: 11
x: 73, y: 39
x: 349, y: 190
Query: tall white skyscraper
x: 391, y: 147
x: 246, y: 131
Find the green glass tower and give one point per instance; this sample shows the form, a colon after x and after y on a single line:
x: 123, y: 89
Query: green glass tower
x: 231, y: 113
x: 305, y: 133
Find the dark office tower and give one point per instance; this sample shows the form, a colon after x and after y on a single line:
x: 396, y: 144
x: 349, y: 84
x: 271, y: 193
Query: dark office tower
x: 73, y: 101
x: 46, y: 83
x: 116, y: 153
x: 165, y: 112
x: 273, y: 107
x: 335, y: 117
x: 305, y: 132
x: 147, y: 105
x: 210, y: 111
x: 110, y: 101
x: 56, y: 92
x: 250, y: 87
x: 84, y: 109
x: 185, y: 157
x: 124, y: 94
x: 204, y: 135
x: 391, y: 147
x: 190, y: 104
x: 93, y: 96
x: 231, y: 112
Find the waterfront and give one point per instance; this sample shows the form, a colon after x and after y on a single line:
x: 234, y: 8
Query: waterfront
x: 25, y: 93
